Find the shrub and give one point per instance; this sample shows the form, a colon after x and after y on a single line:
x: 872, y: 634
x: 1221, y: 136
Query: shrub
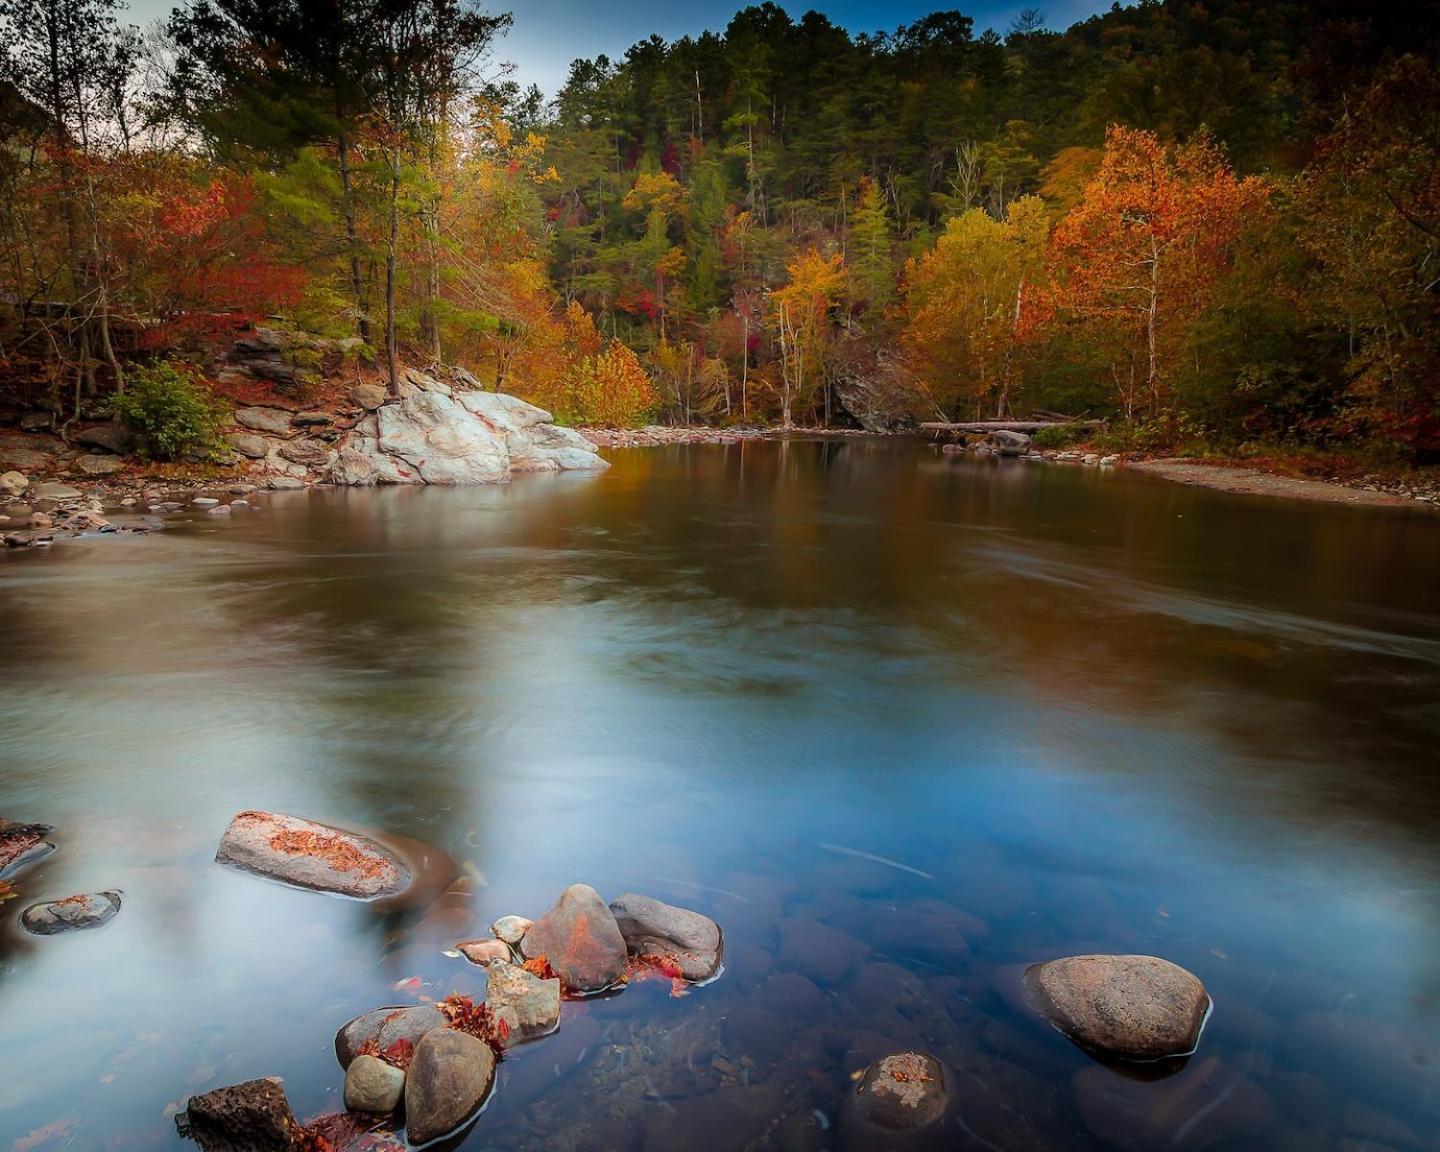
x: 1060, y: 436
x: 172, y: 413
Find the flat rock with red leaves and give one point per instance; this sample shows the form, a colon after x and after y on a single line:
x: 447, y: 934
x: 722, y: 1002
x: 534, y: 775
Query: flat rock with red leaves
x: 581, y: 940
x: 310, y: 855
x: 652, y: 929
x: 22, y: 844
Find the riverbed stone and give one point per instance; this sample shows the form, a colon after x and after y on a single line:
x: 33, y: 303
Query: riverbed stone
x: 251, y: 1117
x: 819, y: 950
x: 73, y: 914
x: 99, y: 465
x: 447, y: 1083
x: 22, y: 844
x: 581, y: 940
x: 1122, y: 1007
x: 310, y: 453
x: 13, y: 483
x: 510, y: 929
x: 275, y: 421
x: 310, y: 855
x: 485, y: 952
x: 528, y: 1006
x: 386, y: 1026
x: 373, y: 1086
x: 902, y: 1091
x: 249, y: 445
x: 54, y: 490
x: 651, y: 927
x: 284, y: 483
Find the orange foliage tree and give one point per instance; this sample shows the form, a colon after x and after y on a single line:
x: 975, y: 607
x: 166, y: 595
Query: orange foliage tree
x: 1139, y: 256
x: 566, y: 366
x: 800, y: 317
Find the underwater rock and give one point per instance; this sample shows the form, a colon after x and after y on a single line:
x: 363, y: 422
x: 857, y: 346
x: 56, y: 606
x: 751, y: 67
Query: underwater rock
x: 22, y: 844
x: 73, y: 914
x: 653, y: 928
x: 902, y: 1091
x: 373, y: 1086
x: 447, y: 1082
x: 1123, y: 1007
x: 251, y: 1117
x: 311, y: 855
x: 385, y: 1026
x: 581, y: 940
x: 485, y: 952
x: 818, y: 950
x: 510, y: 929
x: 526, y: 1005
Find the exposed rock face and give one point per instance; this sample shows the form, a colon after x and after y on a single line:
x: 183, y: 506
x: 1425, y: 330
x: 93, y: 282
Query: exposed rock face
x: 653, y: 928
x: 311, y: 855
x: 581, y: 940
x: 307, y: 452
x: 431, y: 437
x: 275, y: 421
x: 385, y: 1026
x: 875, y: 389
x: 903, y: 1091
x: 249, y: 1117
x: 1124, y: 1007
x: 447, y: 1082
x: 373, y: 1086
x: 528, y: 1006
x: 73, y: 914
x: 22, y: 844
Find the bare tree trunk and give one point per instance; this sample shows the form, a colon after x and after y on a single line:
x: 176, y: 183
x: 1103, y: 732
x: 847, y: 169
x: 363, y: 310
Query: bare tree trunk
x: 352, y: 236
x: 392, y: 243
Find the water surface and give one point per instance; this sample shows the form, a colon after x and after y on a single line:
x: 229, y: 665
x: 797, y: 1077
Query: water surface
x: 1083, y: 711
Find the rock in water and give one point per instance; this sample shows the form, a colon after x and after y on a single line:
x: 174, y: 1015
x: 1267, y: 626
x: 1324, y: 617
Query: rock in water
x: 1125, y: 1007
x: 447, y: 1082
x: 906, y: 1090
x: 373, y: 1086
x: 310, y: 855
x: 485, y: 952
x: 581, y: 940
x: 526, y: 1005
x: 653, y: 928
x: 1009, y: 443
x: 73, y: 914
x: 249, y: 1117
x: 22, y: 844
x: 385, y: 1026
x: 510, y: 929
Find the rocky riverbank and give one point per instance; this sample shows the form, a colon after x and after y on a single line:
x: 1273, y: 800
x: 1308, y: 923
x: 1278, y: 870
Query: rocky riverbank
x: 658, y: 435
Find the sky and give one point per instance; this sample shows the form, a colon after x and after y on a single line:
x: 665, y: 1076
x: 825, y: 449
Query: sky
x: 549, y: 34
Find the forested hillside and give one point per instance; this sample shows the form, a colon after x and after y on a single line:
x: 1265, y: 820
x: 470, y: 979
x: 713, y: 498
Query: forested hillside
x: 1211, y: 220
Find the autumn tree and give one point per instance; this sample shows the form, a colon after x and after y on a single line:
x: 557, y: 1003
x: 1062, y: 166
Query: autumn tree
x: 799, y: 316
x: 1138, y: 258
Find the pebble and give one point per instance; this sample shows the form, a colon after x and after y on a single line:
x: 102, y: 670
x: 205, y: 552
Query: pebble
x: 205, y: 501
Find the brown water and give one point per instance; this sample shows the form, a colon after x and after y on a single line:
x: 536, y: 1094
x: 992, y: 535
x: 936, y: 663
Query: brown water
x: 1085, y: 711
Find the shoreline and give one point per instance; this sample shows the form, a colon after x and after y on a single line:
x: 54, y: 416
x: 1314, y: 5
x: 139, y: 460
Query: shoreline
x: 1241, y: 480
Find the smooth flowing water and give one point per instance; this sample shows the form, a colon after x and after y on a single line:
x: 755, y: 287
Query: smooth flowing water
x: 899, y: 722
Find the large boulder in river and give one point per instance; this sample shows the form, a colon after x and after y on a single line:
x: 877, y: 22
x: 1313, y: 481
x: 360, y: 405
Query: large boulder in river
x: 249, y: 1117
x: 431, y: 436
x: 73, y: 914
x: 662, y: 931
x: 1122, y: 1007
x: 1009, y: 443
x: 581, y: 940
x: 385, y: 1027
x: 903, y: 1091
x: 311, y: 855
x: 447, y: 1082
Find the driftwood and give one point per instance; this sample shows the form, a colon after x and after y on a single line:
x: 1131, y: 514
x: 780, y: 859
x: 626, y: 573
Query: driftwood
x: 1027, y: 426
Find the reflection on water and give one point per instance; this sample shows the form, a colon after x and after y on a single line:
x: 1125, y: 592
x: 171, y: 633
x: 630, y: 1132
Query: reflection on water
x: 1085, y: 711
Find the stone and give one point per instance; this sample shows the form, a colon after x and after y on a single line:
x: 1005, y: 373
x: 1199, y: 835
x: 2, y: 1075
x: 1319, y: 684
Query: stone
x: 653, y: 928
x: 249, y: 445
x: 112, y: 437
x: 818, y: 950
x: 385, y: 1026
x: 447, y: 1083
x: 310, y: 855
x: 311, y: 420
x: 1009, y: 443
x: 51, y: 490
x: 284, y: 483
x: 528, y: 1006
x: 368, y: 396
x: 99, y: 465
x: 37, y: 421
x: 581, y: 940
x: 510, y: 929
x: 13, y: 483
x: 276, y: 421
x: 903, y: 1091
x: 484, y: 952
x: 251, y: 1117
x: 1377, y: 1060
x: 1122, y: 1007
x: 373, y: 1086
x: 218, y: 510
x: 793, y: 995
x: 205, y: 501
x: 25, y: 458
x: 73, y: 914
x: 22, y: 844
x: 307, y: 452
x: 41, y: 520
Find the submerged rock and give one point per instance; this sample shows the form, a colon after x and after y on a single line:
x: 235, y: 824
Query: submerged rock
x: 1124, y: 1007
x: 385, y: 1026
x: 251, y: 1117
x: 510, y: 929
x: 653, y: 928
x: 526, y: 1005
x: 73, y: 914
x: 581, y: 940
x: 311, y: 855
x: 447, y: 1083
x: 1207, y: 1106
x: 373, y: 1086
x: 22, y: 844
x: 903, y: 1091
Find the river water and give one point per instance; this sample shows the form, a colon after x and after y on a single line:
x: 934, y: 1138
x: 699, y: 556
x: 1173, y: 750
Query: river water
x: 900, y: 722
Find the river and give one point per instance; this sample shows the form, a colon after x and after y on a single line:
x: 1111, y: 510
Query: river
x: 900, y: 722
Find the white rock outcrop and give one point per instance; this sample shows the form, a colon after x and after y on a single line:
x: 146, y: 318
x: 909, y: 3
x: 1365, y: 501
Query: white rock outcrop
x: 433, y: 435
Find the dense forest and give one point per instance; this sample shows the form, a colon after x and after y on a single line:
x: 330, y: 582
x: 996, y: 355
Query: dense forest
x: 1210, y: 221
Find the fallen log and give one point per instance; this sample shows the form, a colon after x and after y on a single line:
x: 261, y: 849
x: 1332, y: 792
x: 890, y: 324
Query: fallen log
x: 1027, y: 426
